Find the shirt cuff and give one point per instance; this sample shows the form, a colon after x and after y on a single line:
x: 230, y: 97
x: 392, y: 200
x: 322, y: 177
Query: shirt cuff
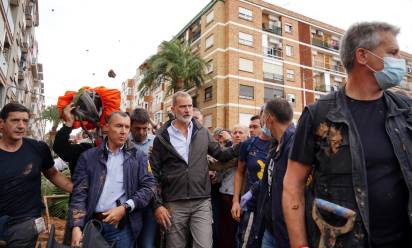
x: 130, y: 202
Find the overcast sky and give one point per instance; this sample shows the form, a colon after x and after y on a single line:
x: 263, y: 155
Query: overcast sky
x: 81, y: 40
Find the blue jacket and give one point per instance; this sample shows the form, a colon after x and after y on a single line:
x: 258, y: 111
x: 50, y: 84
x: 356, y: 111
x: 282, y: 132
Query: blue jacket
x: 260, y: 195
x: 89, y: 178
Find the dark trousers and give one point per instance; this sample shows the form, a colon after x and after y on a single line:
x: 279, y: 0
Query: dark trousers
x: 227, y: 223
x: 21, y: 233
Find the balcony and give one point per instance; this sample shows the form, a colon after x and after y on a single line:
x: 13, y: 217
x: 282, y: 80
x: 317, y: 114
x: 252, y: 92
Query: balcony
x: 320, y: 43
x: 34, y: 70
x: 273, y: 77
x: 272, y: 29
x: 28, y: 12
x: 3, y: 64
x: 328, y: 67
x: 194, y: 37
x: 320, y: 86
x: 273, y: 52
x: 21, y: 74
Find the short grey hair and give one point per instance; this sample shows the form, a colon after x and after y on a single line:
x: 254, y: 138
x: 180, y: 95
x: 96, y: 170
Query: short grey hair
x: 179, y: 94
x: 121, y: 113
x: 362, y: 35
x: 242, y: 127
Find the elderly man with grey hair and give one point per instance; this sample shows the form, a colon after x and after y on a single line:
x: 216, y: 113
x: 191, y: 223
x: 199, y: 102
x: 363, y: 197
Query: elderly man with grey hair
x: 357, y: 145
x: 180, y: 167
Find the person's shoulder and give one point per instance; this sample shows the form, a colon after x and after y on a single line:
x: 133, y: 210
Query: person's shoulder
x: 92, y: 151
x: 36, y: 144
x: 32, y: 141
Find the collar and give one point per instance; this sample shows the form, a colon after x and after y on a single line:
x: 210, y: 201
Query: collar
x: 110, y: 151
x: 190, y: 126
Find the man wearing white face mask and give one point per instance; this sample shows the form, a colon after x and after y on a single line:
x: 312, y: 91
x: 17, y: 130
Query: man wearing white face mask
x: 357, y: 145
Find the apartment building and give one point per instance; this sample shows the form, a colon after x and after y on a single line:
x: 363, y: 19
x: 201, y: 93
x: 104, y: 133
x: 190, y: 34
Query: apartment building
x: 255, y: 51
x: 20, y: 73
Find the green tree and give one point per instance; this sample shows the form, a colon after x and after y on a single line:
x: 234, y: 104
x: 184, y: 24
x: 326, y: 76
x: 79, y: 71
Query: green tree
x: 176, y: 64
x: 51, y: 114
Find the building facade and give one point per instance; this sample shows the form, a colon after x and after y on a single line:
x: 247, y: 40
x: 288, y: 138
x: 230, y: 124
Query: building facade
x: 255, y: 51
x: 20, y: 73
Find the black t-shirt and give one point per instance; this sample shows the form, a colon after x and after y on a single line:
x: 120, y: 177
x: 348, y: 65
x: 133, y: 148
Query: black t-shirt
x: 387, y: 191
x: 20, y: 179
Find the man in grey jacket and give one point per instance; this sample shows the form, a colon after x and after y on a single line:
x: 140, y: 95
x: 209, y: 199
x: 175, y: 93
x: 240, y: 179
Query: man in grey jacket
x: 180, y: 167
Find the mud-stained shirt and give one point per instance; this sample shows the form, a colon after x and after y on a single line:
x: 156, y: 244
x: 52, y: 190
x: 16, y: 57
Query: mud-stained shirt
x: 20, y: 179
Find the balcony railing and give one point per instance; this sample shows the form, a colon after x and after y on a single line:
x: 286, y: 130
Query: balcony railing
x: 329, y: 67
x: 272, y: 29
x: 195, y: 36
x: 273, y: 77
x: 3, y: 64
x: 273, y: 52
x: 320, y: 43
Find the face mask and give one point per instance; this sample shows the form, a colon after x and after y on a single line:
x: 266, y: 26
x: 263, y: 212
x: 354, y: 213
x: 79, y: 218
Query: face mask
x: 266, y: 131
x: 392, y: 74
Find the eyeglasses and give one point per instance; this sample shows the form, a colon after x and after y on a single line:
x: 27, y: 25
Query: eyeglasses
x: 253, y: 126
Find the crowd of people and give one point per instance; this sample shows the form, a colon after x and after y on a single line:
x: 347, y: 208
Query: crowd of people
x: 247, y: 186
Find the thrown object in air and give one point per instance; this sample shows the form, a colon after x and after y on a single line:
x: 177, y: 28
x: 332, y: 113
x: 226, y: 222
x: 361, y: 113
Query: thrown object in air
x: 111, y: 73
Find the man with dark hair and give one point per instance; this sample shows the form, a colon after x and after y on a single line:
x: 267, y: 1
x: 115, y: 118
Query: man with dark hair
x: 140, y: 123
x: 254, y: 126
x: 269, y: 228
x: 180, y: 166
x: 357, y: 145
x: 112, y: 183
x: 22, y: 161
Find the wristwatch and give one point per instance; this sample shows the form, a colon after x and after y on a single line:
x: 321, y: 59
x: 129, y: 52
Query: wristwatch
x: 127, y: 207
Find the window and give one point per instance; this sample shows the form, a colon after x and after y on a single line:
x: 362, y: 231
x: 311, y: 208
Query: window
x: 245, y: 14
x: 290, y: 74
x: 244, y: 118
x: 208, y: 93
x: 289, y: 51
x: 245, y: 65
x: 246, y: 92
x: 291, y: 99
x: 207, y: 121
x: 288, y: 28
x: 273, y: 92
x: 209, y: 41
x: 210, y: 17
x: 209, y: 66
x: 245, y: 39
x: 273, y: 71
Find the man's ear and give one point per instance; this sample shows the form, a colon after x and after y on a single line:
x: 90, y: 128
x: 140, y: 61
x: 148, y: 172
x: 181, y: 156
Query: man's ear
x: 361, y: 56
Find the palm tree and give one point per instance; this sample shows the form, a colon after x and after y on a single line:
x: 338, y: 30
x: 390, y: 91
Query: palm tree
x: 52, y: 115
x: 176, y: 64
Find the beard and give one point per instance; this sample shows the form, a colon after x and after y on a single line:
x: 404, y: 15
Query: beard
x: 184, y: 118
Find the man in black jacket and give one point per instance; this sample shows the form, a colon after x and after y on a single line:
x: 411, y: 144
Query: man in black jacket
x: 180, y: 166
x: 62, y: 147
x: 357, y: 145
